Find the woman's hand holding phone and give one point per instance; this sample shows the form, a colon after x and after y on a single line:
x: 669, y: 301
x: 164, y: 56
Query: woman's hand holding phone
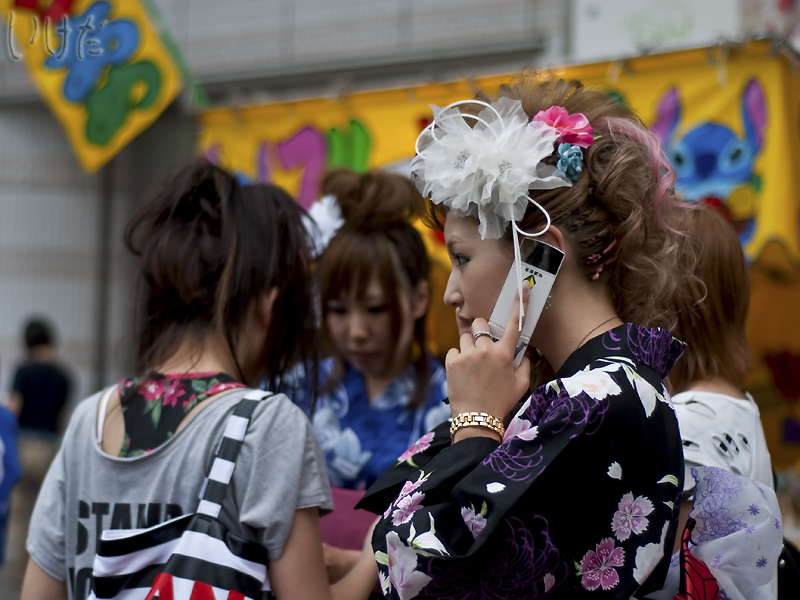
x: 481, y: 375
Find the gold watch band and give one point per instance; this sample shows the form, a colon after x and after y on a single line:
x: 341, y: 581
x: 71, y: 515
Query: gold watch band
x: 476, y: 419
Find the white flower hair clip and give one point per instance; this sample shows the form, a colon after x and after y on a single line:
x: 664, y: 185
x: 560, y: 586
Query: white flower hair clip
x: 486, y: 170
x: 323, y: 221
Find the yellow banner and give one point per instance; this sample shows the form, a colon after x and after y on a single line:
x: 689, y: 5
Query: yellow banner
x: 100, y: 65
x: 729, y: 127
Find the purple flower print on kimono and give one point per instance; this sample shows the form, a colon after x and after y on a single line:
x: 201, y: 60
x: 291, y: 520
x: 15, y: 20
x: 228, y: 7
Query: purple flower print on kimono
x: 475, y: 521
x: 631, y: 516
x: 596, y: 383
x: 597, y: 566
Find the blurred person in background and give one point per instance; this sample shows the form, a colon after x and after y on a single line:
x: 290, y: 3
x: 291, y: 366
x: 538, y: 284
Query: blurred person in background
x: 9, y: 474
x: 720, y: 423
x: 41, y: 385
x: 225, y: 302
x: 38, y: 397
x: 381, y: 390
x: 711, y: 406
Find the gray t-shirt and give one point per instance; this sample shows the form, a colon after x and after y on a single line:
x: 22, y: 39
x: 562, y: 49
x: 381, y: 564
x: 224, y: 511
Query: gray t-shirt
x: 279, y: 470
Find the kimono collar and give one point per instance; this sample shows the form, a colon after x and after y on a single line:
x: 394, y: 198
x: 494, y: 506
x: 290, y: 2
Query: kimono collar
x: 655, y: 348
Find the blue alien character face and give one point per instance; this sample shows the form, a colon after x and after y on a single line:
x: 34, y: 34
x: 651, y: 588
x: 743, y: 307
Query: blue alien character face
x: 711, y: 161
x: 714, y: 163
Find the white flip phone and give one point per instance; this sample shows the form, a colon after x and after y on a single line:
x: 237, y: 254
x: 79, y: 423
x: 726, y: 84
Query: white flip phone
x: 540, y: 265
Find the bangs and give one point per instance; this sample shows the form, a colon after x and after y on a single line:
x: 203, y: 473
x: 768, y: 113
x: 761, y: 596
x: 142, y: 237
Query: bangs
x: 349, y: 263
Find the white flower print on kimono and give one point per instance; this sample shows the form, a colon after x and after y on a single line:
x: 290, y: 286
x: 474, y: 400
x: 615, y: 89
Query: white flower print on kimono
x: 596, y: 383
x: 648, y: 556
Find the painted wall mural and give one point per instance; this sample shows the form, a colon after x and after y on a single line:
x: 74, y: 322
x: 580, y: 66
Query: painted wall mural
x: 715, y: 165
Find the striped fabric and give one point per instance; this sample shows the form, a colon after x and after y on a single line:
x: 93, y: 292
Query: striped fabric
x: 193, y: 557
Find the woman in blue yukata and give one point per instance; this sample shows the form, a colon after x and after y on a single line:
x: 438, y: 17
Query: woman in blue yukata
x: 380, y: 390
x: 563, y: 485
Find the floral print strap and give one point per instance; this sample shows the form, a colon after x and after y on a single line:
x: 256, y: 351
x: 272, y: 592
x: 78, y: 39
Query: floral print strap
x: 154, y: 405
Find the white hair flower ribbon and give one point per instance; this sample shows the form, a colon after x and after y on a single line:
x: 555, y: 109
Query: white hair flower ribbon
x: 485, y: 171
x: 323, y: 220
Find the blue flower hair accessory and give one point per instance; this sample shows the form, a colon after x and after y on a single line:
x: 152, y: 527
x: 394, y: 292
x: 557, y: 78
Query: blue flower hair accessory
x: 570, y: 160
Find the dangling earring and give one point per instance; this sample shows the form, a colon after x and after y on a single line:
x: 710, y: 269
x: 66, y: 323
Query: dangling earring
x: 547, y: 302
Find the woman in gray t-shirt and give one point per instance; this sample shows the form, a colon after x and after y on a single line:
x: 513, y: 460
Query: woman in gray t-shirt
x: 224, y: 302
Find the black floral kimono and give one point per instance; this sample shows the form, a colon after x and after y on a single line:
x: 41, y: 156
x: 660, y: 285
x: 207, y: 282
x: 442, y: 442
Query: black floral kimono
x: 580, y: 499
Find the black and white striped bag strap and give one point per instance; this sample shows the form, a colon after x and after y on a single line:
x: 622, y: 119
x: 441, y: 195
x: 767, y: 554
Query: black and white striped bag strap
x: 219, y: 474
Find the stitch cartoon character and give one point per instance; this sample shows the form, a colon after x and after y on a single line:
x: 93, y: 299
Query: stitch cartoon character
x: 713, y: 164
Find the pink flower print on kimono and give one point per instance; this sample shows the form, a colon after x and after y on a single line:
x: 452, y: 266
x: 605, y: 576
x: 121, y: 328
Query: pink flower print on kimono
x: 597, y: 567
x: 631, y: 516
x: 408, y: 488
x: 411, y: 486
x: 406, y: 507
x: 520, y: 427
x: 420, y: 445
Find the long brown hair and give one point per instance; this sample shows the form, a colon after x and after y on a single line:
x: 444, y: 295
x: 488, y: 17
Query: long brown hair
x: 712, y: 307
x: 208, y: 248
x: 377, y: 239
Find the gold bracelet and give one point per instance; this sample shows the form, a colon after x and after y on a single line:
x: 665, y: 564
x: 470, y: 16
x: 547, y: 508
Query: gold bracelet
x: 476, y: 419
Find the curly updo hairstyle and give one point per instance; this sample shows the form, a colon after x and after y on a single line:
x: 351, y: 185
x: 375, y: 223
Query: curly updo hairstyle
x: 377, y: 239
x: 615, y: 210
x: 209, y: 247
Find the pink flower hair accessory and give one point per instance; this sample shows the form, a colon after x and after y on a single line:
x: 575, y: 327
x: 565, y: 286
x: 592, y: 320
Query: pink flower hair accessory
x: 572, y: 128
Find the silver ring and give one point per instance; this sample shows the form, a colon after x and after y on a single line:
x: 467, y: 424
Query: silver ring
x: 478, y: 334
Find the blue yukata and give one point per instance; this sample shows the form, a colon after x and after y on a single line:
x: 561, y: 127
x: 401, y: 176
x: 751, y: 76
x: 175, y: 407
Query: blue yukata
x: 9, y: 469
x: 362, y: 439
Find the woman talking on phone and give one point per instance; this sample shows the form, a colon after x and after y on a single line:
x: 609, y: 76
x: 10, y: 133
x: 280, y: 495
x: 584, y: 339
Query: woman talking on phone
x: 568, y: 491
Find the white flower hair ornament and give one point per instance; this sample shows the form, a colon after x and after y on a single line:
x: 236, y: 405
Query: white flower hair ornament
x: 486, y: 170
x: 323, y: 221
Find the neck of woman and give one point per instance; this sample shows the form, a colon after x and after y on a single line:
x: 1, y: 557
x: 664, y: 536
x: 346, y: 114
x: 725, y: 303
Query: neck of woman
x: 207, y: 354
x: 716, y: 385
x: 578, y: 313
x: 376, y: 383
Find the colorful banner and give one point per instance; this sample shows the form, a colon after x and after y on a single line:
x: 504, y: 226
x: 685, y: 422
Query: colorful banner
x: 730, y: 128
x: 100, y: 65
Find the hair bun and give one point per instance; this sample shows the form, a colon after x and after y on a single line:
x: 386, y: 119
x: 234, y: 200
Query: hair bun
x: 373, y: 200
